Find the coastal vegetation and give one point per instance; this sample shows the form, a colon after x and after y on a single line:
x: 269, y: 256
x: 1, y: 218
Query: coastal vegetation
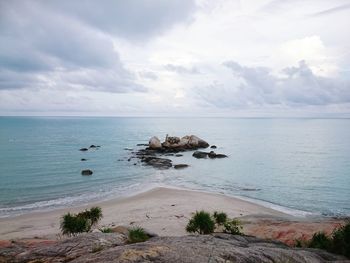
x: 338, y: 242
x: 73, y: 224
x: 106, y: 230
x: 233, y: 226
x: 137, y: 234
x: 203, y: 223
x: 220, y: 217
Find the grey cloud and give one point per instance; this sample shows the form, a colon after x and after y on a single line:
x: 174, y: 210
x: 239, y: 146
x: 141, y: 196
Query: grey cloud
x: 256, y: 86
x: 132, y: 19
x: 47, y: 45
x: 148, y: 75
x: 332, y: 10
x: 181, y: 69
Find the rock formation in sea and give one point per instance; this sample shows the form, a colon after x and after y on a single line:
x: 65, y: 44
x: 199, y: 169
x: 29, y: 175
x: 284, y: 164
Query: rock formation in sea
x: 172, y: 145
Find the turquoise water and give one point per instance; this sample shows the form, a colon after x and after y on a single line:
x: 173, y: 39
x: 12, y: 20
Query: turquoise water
x: 292, y: 164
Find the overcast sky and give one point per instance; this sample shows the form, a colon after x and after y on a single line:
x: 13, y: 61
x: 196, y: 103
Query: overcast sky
x: 251, y: 58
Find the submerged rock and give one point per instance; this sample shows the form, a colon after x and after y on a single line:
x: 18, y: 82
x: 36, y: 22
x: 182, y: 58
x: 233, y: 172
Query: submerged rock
x: 156, y: 162
x: 199, y: 154
x: 211, y: 155
x: 83, y: 149
x: 83, y: 159
x: 86, y: 172
x: 213, y: 147
x: 180, y: 166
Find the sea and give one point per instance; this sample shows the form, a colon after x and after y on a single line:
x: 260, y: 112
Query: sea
x: 299, y: 166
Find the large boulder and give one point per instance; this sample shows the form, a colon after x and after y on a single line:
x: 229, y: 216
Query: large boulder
x: 196, y: 142
x: 154, y: 143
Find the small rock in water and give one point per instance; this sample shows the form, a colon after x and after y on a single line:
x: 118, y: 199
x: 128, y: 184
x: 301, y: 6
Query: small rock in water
x: 86, y: 172
x: 213, y: 147
x: 179, y: 155
x: 212, y: 155
x: 199, y: 154
x: 180, y: 166
x: 142, y: 144
x: 219, y: 155
x: 83, y: 159
x: 83, y: 149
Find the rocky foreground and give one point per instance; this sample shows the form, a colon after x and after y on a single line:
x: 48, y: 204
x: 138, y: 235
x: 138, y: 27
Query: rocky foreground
x: 113, y: 247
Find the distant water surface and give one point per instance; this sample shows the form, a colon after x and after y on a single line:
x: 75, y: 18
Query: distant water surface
x: 292, y: 164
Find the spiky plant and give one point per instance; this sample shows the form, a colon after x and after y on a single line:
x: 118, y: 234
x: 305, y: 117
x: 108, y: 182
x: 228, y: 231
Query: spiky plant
x: 220, y: 217
x: 137, y: 234
x: 201, y: 223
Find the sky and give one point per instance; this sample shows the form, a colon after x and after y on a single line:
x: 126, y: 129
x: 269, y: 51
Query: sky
x: 220, y: 58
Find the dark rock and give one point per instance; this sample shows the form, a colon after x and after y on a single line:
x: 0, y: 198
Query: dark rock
x: 112, y: 247
x: 142, y: 144
x: 179, y: 155
x: 213, y: 147
x: 93, y: 146
x: 199, y: 154
x: 83, y: 149
x: 86, y: 172
x: 82, y: 159
x: 160, y: 163
x: 169, y: 154
x: 212, y: 155
x: 180, y: 166
x: 219, y: 155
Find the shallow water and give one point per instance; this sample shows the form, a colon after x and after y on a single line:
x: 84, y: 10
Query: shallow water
x: 300, y: 164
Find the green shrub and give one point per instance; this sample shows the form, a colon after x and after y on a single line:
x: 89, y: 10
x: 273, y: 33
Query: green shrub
x: 341, y: 240
x: 137, y: 234
x: 299, y: 243
x: 72, y: 224
x: 320, y: 240
x: 220, y: 217
x: 106, y: 230
x: 94, y: 214
x: 233, y: 227
x: 338, y: 243
x: 201, y: 223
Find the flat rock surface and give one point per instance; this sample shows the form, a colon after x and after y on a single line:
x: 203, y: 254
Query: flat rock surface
x: 102, y: 247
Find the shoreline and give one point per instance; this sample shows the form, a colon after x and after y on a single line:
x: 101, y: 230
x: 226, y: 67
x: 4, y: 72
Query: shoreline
x: 160, y: 203
x: 277, y: 207
x: 166, y: 211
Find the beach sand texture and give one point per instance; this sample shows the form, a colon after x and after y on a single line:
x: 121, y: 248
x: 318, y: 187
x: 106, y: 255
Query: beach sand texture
x: 166, y: 211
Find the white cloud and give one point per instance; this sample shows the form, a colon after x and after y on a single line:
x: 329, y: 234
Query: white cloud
x: 154, y: 57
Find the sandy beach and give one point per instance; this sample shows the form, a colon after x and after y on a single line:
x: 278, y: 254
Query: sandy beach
x: 166, y: 211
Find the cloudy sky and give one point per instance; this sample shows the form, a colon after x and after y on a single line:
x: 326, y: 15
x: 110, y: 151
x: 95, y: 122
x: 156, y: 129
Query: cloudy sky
x: 251, y: 58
